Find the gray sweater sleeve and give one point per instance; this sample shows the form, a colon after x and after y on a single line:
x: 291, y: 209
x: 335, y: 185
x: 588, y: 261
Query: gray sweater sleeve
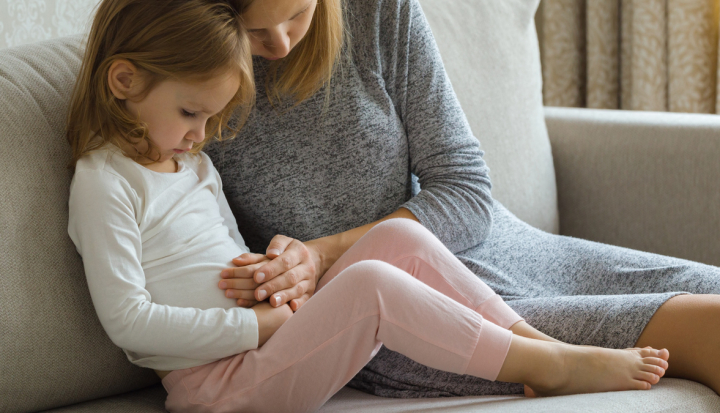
x: 455, y: 201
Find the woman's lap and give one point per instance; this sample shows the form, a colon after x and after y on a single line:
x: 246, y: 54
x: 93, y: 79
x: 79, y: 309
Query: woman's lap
x: 575, y: 290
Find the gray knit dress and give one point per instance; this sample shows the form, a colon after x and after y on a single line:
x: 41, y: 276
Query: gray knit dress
x: 390, y: 133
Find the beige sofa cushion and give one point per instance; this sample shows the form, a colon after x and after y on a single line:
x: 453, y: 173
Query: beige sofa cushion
x: 53, y: 350
x: 670, y: 395
x: 490, y: 51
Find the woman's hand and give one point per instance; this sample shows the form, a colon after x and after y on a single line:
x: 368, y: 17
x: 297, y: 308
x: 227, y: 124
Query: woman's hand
x: 270, y: 319
x: 287, y: 274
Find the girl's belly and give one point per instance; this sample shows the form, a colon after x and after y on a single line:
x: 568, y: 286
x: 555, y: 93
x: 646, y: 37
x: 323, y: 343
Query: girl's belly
x: 191, y: 279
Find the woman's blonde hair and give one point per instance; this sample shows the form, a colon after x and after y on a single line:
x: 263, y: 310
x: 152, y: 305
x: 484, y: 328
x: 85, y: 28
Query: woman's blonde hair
x: 185, y: 40
x: 311, y: 64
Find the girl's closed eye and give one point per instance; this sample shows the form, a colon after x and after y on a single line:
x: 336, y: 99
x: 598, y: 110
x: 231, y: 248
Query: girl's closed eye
x: 187, y: 114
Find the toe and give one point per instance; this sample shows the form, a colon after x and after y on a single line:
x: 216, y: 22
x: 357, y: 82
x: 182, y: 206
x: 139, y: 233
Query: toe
x: 640, y: 385
x: 656, y: 362
x: 648, y: 352
x: 652, y: 368
x: 651, y: 378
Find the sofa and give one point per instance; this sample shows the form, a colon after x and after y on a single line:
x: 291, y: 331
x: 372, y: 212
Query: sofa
x: 640, y: 180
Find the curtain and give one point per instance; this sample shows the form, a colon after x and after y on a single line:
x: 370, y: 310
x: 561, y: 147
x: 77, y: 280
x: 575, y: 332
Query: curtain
x: 659, y: 55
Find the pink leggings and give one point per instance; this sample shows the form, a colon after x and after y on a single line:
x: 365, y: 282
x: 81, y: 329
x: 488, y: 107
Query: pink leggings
x: 398, y: 286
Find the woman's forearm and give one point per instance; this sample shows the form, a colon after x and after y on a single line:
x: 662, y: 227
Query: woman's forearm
x: 295, y: 268
x: 330, y: 248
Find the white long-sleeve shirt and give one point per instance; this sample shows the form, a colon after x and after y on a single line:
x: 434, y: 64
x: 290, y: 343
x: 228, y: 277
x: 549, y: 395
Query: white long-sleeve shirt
x: 153, y: 245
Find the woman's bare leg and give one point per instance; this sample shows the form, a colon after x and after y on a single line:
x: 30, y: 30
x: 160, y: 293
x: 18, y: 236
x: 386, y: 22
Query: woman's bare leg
x: 687, y: 325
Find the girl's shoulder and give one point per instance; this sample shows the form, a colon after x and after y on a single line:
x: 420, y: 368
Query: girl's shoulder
x: 105, y: 171
x: 103, y: 159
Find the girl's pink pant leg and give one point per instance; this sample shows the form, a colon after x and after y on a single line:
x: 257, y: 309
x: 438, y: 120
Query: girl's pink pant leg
x: 413, y: 248
x: 364, y: 301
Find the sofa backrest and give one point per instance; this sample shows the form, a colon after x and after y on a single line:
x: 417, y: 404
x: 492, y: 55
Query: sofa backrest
x: 491, y: 54
x: 53, y: 350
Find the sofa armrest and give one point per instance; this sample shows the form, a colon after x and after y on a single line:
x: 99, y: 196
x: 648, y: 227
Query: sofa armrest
x: 642, y: 180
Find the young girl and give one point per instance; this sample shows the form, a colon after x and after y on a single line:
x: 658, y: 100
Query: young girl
x: 148, y: 216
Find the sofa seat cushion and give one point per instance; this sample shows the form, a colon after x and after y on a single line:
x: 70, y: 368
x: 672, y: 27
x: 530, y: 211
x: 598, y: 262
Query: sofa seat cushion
x: 670, y: 395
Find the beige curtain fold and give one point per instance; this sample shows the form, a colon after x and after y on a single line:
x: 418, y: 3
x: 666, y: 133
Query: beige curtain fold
x: 659, y: 55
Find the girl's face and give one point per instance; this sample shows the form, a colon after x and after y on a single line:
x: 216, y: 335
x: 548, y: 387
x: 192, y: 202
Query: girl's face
x: 276, y: 26
x: 175, y: 112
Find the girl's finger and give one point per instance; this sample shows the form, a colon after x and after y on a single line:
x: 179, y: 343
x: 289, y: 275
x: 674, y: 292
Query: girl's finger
x: 238, y: 284
x: 244, y: 294
x: 246, y: 303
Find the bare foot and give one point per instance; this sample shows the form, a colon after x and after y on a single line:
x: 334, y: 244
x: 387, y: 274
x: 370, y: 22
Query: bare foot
x: 587, y: 369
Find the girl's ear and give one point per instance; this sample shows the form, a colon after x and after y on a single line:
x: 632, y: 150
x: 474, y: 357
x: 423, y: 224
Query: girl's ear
x: 123, y: 79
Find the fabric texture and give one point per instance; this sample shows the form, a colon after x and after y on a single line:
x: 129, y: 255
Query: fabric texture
x: 53, y: 350
x: 153, y: 246
x: 659, y: 55
x: 398, y: 285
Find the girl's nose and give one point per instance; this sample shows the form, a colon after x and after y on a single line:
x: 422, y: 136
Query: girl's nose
x: 196, y: 135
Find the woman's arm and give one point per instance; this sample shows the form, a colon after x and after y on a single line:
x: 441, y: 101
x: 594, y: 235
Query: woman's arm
x: 455, y: 200
x: 296, y: 269
x: 327, y: 250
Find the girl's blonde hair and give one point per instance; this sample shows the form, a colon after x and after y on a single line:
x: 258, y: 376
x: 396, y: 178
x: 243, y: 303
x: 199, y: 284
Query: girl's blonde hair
x: 186, y: 40
x: 312, y: 62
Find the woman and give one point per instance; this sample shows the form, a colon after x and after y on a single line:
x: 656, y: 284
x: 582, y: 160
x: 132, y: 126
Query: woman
x: 331, y: 161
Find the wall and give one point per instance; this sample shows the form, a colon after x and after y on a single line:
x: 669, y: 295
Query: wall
x: 27, y: 21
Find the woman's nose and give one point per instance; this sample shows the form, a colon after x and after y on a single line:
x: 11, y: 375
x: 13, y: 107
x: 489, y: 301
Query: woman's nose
x: 279, y: 44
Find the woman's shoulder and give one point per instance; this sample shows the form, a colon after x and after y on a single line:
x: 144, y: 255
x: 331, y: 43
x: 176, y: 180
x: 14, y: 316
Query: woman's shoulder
x: 380, y: 24
x: 365, y: 5
x: 381, y: 11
